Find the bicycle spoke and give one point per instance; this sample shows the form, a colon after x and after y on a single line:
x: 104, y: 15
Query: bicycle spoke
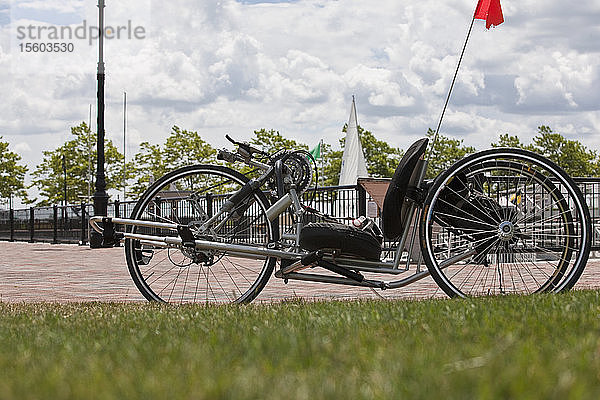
x: 537, y: 240
x: 191, y: 196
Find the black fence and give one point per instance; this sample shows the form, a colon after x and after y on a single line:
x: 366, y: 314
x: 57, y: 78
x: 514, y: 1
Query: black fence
x: 60, y: 224
x: 70, y: 224
x: 54, y: 224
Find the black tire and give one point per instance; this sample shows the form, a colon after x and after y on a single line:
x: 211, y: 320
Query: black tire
x: 349, y: 240
x: 505, y: 221
x: 179, y: 275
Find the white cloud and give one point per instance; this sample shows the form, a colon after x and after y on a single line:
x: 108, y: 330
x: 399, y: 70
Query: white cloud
x: 21, y: 148
x: 60, y: 6
x: 227, y: 67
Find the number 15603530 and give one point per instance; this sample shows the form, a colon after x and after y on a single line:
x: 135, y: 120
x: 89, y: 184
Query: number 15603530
x: 46, y: 47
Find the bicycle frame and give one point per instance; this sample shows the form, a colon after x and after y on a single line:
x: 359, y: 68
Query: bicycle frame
x: 289, y: 199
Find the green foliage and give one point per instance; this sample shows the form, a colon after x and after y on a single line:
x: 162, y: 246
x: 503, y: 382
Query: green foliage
x: 49, y: 176
x: 12, y: 174
x: 148, y: 165
x: 483, y: 348
x: 181, y: 148
x: 381, y: 158
x: 575, y: 158
x: 185, y: 147
x: 571, y: 155
x: 332, y: 165
x: 506, y: 140
x: 445, y: 152
x: 271, y: 141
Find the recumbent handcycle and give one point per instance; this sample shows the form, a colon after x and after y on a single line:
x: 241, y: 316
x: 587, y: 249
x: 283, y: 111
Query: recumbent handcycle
x: 500, y: 221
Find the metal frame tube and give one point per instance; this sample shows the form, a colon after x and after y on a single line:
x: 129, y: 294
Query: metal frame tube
x: 246, y: 251
x: 329, y: 279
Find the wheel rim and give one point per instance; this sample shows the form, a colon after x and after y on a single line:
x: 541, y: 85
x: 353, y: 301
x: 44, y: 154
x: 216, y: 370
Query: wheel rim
x: 181, y: 275
x: 521, y: 220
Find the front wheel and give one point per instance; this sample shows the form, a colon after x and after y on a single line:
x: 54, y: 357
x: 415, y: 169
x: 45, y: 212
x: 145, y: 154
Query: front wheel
x: 190, y: 196
x: 505, y: 221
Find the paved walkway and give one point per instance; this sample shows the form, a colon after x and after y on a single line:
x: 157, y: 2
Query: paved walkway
x: 40, y: 272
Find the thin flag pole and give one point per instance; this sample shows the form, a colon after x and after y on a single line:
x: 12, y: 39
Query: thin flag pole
x: 124, y: 144
x: 89, y: 145
x: 437, y: 131
x: 491, y: 12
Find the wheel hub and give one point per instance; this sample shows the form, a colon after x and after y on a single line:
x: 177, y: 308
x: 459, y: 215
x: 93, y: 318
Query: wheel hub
x: 506, y: 231
x: 198, y: 257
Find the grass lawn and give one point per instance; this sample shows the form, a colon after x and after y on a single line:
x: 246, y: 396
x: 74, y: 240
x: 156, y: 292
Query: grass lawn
x: 543, y: 346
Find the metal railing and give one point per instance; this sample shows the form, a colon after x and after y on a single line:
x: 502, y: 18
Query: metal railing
x: 69, y: 224
x: 53, y: 224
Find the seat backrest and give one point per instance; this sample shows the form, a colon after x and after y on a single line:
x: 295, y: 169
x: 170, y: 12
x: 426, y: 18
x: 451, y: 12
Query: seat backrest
x: 392, y: 215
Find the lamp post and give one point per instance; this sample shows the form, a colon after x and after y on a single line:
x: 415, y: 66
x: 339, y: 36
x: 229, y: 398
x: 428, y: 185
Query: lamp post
x: 100, y: 195
x: 89, y: 165
x: 64, y: 165
x: 65, y: 200
x: 124, y: 146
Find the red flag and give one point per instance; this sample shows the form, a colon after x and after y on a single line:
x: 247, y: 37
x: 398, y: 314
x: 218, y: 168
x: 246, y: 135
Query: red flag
x: 491, y: 11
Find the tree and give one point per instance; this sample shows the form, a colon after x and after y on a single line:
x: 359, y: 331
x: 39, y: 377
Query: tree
x: 381, y: 158
x: 271, y: 141
x: 185, y: 147
x: 572, y: 156
x: 148, y: 165
x: 445, y: 152
x: 507, y: 140
x: 332, y: 165
x: 12, y: 175
x: 181, y: 148
x: 49, y: 176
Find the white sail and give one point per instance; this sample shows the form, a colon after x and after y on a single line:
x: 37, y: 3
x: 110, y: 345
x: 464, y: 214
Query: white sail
x: 353, y: 160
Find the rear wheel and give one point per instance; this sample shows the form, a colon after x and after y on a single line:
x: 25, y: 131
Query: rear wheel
x: 505, y: 221
x: 189, y: 196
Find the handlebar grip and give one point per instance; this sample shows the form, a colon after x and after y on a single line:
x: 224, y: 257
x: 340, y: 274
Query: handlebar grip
x: 230, y: 139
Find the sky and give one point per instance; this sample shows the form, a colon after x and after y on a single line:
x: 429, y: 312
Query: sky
x: 233, y: 67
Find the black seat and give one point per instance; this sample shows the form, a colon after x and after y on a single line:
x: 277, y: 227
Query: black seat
x: 352, y: 241
x: 395, y: 206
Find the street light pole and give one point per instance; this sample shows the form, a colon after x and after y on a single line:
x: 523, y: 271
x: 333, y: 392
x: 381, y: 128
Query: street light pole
x: 124, y: 146
x: 64, y: 165
x: 89, y: 166
x: 65, y: 202
x: 100, y: 195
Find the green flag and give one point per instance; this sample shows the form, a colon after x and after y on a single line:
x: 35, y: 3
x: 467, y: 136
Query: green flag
x: 316, y: 152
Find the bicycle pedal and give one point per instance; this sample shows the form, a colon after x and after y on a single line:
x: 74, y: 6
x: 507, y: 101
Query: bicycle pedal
x: 312, y: 258
x: 291, y: 266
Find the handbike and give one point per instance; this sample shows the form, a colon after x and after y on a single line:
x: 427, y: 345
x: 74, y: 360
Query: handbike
x: 500, y: 221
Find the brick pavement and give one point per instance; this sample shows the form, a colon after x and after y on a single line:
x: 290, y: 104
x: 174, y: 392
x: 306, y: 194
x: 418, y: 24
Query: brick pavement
x: 40, y: 272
